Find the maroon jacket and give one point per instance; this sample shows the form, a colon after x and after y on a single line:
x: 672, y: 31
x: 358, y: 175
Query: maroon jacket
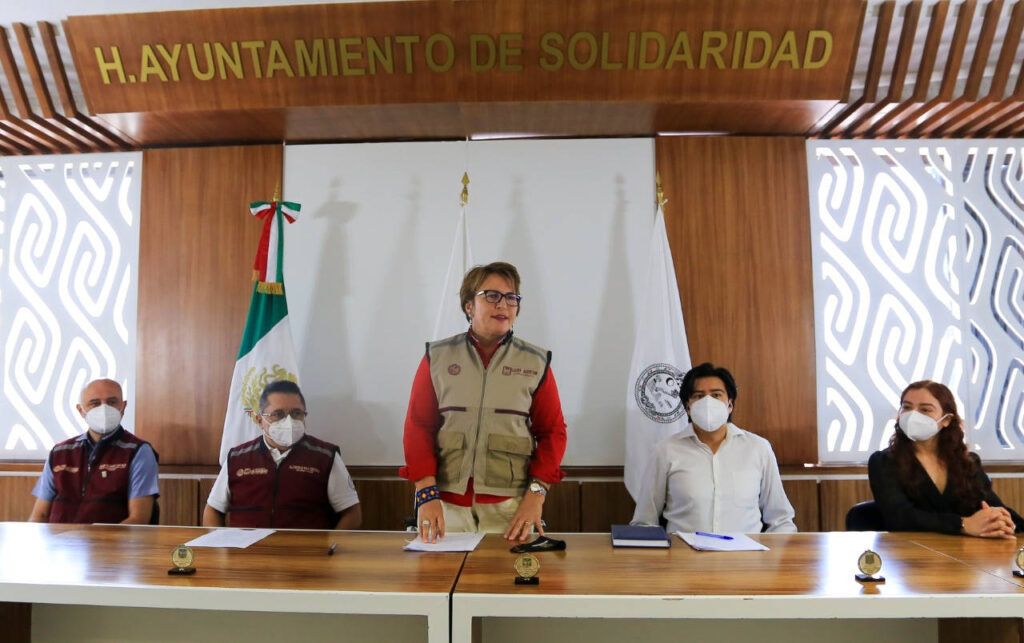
x: 96, y: 492
x: 293, y: 494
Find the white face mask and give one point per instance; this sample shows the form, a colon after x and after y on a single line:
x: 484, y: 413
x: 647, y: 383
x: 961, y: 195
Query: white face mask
x: 708, y: 413
x: 917, y: 426
x: 287, y: 431
x: 103, y: 419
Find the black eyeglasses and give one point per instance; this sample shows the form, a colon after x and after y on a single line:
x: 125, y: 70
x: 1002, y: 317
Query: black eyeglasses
x: 494, y: 296
x: 277, y: 416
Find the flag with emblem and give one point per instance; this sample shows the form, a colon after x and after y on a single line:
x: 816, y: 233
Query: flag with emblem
x: 661, y: 356
x: 450, y: 320
x: 267, y: 352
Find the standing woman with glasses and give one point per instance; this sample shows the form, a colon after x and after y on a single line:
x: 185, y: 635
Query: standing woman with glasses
x: 484, y: 434
x: 285, y: 478
x: 927, y: 480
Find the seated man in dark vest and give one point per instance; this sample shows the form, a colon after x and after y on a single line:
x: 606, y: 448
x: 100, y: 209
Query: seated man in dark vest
x: 104, y: 475
x: 284, y: 478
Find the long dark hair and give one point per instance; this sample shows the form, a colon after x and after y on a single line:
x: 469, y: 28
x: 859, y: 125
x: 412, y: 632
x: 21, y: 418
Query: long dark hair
x: 961, y: 468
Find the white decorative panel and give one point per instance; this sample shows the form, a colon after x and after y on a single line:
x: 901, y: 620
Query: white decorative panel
x: 918, y: 267
x: 70, y: 243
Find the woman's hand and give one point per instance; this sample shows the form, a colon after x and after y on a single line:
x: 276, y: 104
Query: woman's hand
x: 989, y: 522
x: 430, y: 520
x: 429, y: 515
x: 528, y: 515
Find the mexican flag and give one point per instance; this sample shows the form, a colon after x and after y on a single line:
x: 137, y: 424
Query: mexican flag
x: 267, y: 352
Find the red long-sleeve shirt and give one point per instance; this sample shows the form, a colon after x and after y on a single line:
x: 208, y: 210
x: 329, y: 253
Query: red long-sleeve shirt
x: 423, y: 420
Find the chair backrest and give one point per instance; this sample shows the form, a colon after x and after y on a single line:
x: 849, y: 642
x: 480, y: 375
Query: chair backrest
x: 865, y: 516
x: 154, y: 518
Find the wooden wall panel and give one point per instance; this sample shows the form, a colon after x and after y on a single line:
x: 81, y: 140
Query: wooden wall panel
x: 16, y: 497
x: 562, y: 507
x: 989, y: 630
x: 803, y: 495
x: 1010, y: 491
x: 196, y: 246
x: 205, y: 486
x: 385, y: 503
x: 836, y: 497
x: 604, y: 503
x: 739, y: 225
x: 17, y: 622
x: 179, y: 498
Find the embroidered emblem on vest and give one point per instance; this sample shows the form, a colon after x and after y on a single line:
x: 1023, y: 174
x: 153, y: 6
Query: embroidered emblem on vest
x: 252, y: 471
x: 515, y: 370
x: 112, y: 467
x: 454, y: 369
x: 657, y: 393
x: 64, y: 467
x: 303, y: 469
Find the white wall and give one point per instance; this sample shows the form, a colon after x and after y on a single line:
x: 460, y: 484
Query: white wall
x: 365, y: 265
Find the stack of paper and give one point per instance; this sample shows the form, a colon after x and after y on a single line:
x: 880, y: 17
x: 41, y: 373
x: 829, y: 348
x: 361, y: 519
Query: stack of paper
x: 450, y: 542
x: 237, y: 538
x: 731, y: 541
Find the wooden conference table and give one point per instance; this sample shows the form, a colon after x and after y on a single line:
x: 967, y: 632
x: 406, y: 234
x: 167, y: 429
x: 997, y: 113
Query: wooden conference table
x: 289, y: 572
x: 802, y: 576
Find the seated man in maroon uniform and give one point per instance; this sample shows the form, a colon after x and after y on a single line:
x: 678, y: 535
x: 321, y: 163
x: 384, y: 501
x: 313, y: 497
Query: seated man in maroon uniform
x: 284, y: 478
x: 104, y: 475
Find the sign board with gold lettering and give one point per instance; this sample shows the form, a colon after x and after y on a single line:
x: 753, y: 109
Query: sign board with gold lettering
x: 295, y: 60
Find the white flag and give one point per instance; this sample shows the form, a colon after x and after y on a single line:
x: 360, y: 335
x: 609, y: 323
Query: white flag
x: 450, y: 320
x: 661, y: 356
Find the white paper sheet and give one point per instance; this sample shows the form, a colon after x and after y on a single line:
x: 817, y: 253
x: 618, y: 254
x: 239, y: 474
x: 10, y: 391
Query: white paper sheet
x: 450, y: 542
x: 726, y: 541
x: 237, y: 538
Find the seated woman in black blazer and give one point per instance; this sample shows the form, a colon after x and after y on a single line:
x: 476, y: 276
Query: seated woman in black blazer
x: 927, y: 481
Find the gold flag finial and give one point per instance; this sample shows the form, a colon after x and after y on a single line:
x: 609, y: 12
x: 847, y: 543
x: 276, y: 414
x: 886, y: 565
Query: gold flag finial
x: 464, y: 197
x: 660, y: 194
x: 277, y: 192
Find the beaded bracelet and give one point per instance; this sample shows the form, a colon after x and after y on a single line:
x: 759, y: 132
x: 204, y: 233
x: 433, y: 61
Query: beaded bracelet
x: 426, y: 494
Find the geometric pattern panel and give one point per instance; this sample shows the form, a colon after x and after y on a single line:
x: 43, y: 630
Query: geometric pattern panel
x: 918, y: 251
x: 69, y: 246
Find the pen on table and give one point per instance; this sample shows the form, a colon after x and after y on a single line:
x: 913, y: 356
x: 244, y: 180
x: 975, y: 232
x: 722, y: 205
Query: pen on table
x: 718, y: 536
x: 330, y: 550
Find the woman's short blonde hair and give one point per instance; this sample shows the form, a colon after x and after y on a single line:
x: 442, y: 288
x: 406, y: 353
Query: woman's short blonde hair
x: 477, y: 275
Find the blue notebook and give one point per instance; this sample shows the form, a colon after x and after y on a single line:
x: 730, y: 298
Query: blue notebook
x: 639, y: 536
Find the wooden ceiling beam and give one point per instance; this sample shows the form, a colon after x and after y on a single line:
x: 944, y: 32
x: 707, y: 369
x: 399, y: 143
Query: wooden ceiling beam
x: 26, y: 118
x: 967, y: 102
x: 954, y: 60
x: 971, y: 119
x: 835, y: 126
x: 929, y: 54
x: 898, y: 77
x: 71, y: 111
x: 82, y: 140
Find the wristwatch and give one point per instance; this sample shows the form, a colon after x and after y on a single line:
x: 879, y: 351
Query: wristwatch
x: 537, y: 487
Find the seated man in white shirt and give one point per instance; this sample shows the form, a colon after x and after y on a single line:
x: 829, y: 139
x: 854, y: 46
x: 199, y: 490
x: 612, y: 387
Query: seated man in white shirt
x: 284, y: 478
x: 713, y: 476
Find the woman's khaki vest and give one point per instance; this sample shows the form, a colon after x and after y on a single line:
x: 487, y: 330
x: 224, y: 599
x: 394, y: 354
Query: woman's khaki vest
x: 486, y: 430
